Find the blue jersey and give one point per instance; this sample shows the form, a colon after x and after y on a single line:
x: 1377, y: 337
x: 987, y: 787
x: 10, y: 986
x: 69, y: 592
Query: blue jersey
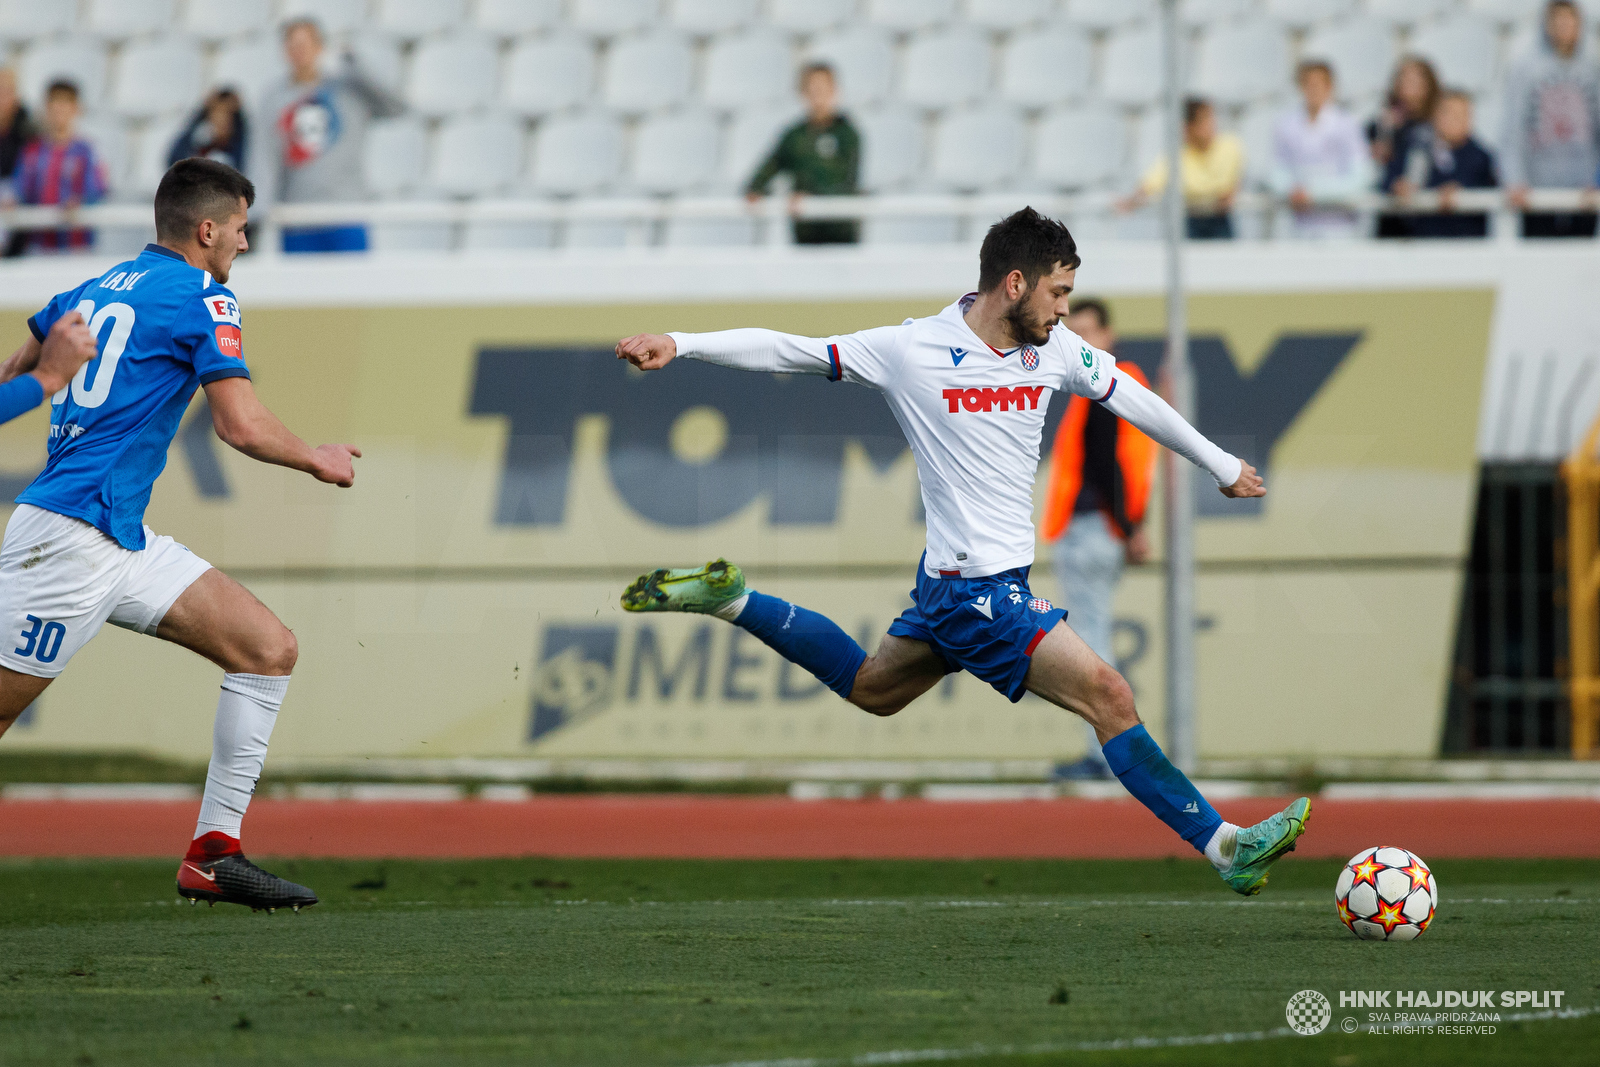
x: 164, y: 328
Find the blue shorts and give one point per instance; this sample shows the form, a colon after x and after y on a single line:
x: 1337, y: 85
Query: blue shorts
x: 986, y: 626
x: 326, y: 239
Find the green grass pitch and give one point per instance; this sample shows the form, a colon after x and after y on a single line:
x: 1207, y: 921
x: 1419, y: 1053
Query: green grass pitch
x: 578, y: 962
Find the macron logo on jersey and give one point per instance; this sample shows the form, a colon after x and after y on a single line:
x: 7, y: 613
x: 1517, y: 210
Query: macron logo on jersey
x: 1020, y: 398
x: 223, y: 308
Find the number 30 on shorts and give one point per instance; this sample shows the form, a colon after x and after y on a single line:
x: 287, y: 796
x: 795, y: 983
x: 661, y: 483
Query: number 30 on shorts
x: 41, y: 640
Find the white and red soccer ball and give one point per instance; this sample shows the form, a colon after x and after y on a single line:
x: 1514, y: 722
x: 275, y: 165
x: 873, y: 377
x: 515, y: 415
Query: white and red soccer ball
x: 1386, y: 894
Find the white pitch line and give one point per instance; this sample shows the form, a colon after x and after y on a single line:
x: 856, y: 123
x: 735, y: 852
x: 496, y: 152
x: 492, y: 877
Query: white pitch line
x: 932, y: 1055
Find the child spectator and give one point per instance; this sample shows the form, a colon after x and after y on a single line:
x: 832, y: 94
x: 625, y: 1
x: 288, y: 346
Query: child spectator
x: 217, y: 131
x: 822, y: 153
x: 1413, y: 94
x: 60, y: 168
x: 1444, y: 156
x: 16, y: 130
x: 1212, y: 167
x: 1552, y: 138
x: 1319, y: 158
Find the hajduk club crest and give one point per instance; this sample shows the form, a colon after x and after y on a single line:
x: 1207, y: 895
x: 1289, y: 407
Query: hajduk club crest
x: 1030, y: 357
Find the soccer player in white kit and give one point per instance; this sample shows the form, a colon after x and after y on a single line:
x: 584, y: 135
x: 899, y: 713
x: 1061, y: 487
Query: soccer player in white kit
x: 77, y: 554
x: 970, y: 387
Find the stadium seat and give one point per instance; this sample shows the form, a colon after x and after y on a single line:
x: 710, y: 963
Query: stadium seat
x: 978, y: 149
x: 1110, y: 14
x: 220, y: 20
x: 148, y: 162
x: 891, y: 148
x: 109, y: 135
x: 1047, y: 67
x: 1149, y: 144
x: 1130, y: 67
x: 1303, y: 13
x: 1361, y: 51
x: 1079, y: 148
x: 25, y: 20
x: 750, y: 136
x: 411, y: 236
x: 155, y: 77
x: 1509, y: 12
x: 1408, y: 12
x: 863, y: 57
x: 334, y: 16
x: 379, y: 59
x: 450, y: 74
x: 706, y: 17
x: 675, y: 153
x: 1488, y: 120
x: 548, y: 74
x: 1003, y: 15
x: 394, y: 157
x: 576, y: 155
x: 476, y: 155
x: 78, y: 59
x: 1462, y: 50
x: 410, y: 19
x: 1210, y: 12
x: 945, y: 68
x: 648, y: 73
x: 1243, y: 61
x: 1255, y: 132
x: 809, y: 16
x: 906, y: 16
x: 116, y: 19
x: 513, y: 18
x: 752, y: 68
x: 249, y: 67
x: 608, y: 18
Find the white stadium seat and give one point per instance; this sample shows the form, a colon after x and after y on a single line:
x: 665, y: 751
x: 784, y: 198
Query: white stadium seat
x: 646, y: 73
x: 477, y: 155
x: 1303, y: 13
x: 109, y: 135
x: 751, y: 134
x: 451, y: 74
x: 1209, y: 12
x: 908, y: 15
x: 705, y: 17
x: 809, y: 16
x: 1079, y: 148
x: 675, y: 153
x: 334, y: 16
x: 945, y: 68
x: 1509, y: 12
x: 549, y: 74
x: 1488, y: 118
x: 863, y: 58
x: 155, y: 77
x: 1462, y: 50
x: 1008, y: 14
x: 219, y: 20
x: 512, y: 18
x: 978, y: 149
x: 1255, y: 135
x: 395, y: 155
x: 1131, y: 61
x: 378, y: 57
x: 1109, y: 14
x: 249, y: 66
x: 576, y: 155
x: 149, y: 161
x: 607, y: 18
x: 1243, y: 61
x: 116, y: 19
x: 1361, y: 51
x: 410, y: 19
x: 24, y: 20
x: 1149, y: 144
x: 1046, y: 67
x: 1408, y: 12
x: 77, y: 59
x: 748, y: 69
x: 891, y: 148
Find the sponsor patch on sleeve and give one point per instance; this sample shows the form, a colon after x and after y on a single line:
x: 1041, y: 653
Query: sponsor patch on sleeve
x: 230, y: 339
x: 223, y: 308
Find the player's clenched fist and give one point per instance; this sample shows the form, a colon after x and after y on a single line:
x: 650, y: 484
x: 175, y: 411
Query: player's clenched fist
x: 333, y: 464
x: 1249, y: 483
x: 647, y: 351
x: 68, y: 346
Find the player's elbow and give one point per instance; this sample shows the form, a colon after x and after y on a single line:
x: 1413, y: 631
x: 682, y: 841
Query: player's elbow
x: 234, y: 432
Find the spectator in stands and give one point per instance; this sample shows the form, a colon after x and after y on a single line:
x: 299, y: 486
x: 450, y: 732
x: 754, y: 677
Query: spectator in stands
x: 1212, y: 167
x: 219, y: 131
x: 1552, y: 137
x: 308, y: 137
x: 16, y: 130
x: 1413, y: 94
x: 822, y: 155
x: 1445, y: 156
x: 60, y: 168
x: 1100, y: 474
x: 1320, y: 158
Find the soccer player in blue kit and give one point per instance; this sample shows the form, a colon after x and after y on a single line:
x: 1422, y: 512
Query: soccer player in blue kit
x: 77, y: 554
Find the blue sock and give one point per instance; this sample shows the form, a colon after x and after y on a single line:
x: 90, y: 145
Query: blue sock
x: 1144, y: 769
x: 805, y: 638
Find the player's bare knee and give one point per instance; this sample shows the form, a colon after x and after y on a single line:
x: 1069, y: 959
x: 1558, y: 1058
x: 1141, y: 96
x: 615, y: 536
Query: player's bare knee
x: 1113, y: 699
x: 276, y: 653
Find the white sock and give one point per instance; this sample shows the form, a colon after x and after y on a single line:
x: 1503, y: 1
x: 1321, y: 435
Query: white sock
x: 246, y: 712
x: 731, y: 611
x: 1219, y: 850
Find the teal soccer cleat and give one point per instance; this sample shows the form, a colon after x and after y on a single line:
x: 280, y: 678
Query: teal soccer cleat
x: 701, y: 589
x: 1256, y: 847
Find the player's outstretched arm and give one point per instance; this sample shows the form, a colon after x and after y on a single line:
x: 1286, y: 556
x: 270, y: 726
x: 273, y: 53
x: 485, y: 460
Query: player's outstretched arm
x: 1131, y: 401
x: 759, y: 350
x: 243, y: 421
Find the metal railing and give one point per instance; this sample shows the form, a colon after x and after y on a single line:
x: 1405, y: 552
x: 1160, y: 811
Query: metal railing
x: 1581, y: 472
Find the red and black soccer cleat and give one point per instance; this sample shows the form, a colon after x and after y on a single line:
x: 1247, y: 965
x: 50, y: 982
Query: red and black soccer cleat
x: 232, y: 879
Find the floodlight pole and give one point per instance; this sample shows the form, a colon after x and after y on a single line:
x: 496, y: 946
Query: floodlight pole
x: 1180, y: 393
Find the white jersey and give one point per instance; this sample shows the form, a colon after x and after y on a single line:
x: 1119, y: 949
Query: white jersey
x: 973, y: 415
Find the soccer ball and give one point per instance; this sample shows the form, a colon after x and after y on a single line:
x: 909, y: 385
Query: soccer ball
x: 1386, y: 894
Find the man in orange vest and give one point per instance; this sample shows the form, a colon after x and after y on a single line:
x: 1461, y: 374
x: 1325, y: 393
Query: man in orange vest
x: 1100, y: 473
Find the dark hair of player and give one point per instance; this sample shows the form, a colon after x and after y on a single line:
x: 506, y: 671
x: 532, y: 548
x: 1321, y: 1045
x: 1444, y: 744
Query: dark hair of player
x: 1307, y: 66
x: 1193, y: 108
x: 194, y: 190
x: 1025, y: 241
x: 816, y: 68
x: 62, y: 87
x: 1093, y: 305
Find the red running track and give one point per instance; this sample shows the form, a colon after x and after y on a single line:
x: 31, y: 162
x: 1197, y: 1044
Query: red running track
x: 776, y: 827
